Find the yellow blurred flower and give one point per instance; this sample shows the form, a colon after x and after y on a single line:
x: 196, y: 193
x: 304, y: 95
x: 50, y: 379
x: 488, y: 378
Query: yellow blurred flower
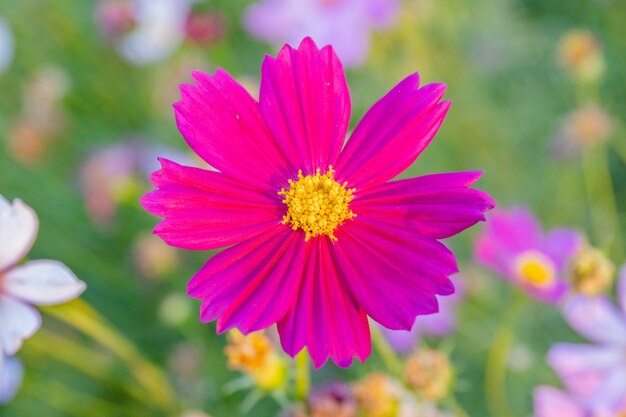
x: 592, y: 272
x: 255, y: 355
x: 580, y: 53
x: 378, y: 396
x: 429, y: 373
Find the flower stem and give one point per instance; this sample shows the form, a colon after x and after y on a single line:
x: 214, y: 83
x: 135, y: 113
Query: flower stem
x: 81, y: 316
x: 496, y: 368
x: 459, y: 411
x: 390, y: 358
x: 303, y: 376
x: 599, y: 186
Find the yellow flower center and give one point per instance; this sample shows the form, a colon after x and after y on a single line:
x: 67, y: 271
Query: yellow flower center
x: 535, y: 268
x: 317, y: 204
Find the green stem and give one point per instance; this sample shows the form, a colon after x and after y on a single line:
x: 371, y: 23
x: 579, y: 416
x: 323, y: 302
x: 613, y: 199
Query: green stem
x: 393, y: 364
x: 619, y: 146
x: 97, y: 365
x: 459, y: 411
x: 81, y: 316
x: 599, y: 186
x: 70, y: 402
x: 303, y: 375
x: 496, y: 367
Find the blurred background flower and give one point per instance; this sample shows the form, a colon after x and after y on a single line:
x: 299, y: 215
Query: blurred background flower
x: 438, y: 325
x: 159, y: 28
x: 346, y: 24
x: 514, y: 246
x: 595, y: 374
x: 580, y: 53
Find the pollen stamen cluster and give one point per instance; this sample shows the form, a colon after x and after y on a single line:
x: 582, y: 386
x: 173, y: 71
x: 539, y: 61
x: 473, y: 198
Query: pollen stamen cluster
x: 317, y: 203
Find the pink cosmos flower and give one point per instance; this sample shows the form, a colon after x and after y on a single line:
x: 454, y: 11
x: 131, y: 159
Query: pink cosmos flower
x: 596, y: 373
x: 345, y: 24
x: 40, y: 282
x: 319, y: 237
x: 436, y: 325
x: 514, y: 246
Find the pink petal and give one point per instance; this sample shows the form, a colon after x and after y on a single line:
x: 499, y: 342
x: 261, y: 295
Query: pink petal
x: 552, y: 294
x: 305, y: 102
x: 561, y: 245
x: 251, y: 285
x: 403, y: 341
x: 438, y: 205
x: 444, y: 322
x: 207, y: 210
x: 611, y: 394
x: 507, y: 233
x: 394, y: 273
x: 392, y: 134
x: 221, y: 122
x: 43, y: 282
x: 551, y: 402
x: 18, y: 322
x: 583, y: 367
x: 18, y: 230
x: 596, y: 319
x: 325, y: 319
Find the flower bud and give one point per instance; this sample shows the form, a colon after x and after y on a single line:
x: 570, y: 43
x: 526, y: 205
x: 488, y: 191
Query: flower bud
x: 592, y: 272
x: 580, y: 53
x: 378, y: 396
x: 430, y: 374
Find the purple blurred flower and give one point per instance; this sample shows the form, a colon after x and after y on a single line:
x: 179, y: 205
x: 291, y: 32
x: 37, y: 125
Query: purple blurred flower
x: 345, y: 24
x: 116, y: 173
x: 595, y: 373
x: 514, y: 246
x: 335, y: 399
x: 436, y: 325
x: 11, y: 374
x: 553, y: 402
x: 6, y: 46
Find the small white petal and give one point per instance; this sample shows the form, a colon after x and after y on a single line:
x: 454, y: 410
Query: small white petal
x: 4, y: 203
x: 43, y: 283
x: 159, y: 30
x: 18, y: 230
x: 11, y: 374
x: 18, y: 322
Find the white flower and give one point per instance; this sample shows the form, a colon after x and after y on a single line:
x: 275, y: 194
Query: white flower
x: 41, y: 282
x: 160, y: 30
x: 11, y: 373
x: 6, y: 46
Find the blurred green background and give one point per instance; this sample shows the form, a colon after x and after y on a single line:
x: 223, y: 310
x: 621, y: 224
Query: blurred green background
x: 510, y: 96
